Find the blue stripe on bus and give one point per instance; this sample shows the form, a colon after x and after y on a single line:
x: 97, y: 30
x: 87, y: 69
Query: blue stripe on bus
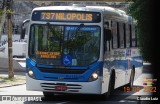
x: 66, y: 77
x: 116, y: 64
x: 123, y: 64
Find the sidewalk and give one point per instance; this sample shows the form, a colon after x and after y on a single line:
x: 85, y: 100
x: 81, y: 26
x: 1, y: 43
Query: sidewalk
x: 19, y: 74
x: 19, y: 79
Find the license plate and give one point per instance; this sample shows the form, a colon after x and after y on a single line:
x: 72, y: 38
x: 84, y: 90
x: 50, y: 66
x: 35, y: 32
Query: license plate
x: 60, y: 88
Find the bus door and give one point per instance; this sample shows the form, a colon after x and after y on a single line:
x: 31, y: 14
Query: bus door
x: 107, y: 56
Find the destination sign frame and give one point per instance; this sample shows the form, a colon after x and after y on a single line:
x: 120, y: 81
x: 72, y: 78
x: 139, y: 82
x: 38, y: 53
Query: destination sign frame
x: 69, y: 16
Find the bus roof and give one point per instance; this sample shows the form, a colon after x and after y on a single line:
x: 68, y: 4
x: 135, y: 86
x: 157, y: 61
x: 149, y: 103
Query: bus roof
x: 82, y: 8
x: 108, y: 11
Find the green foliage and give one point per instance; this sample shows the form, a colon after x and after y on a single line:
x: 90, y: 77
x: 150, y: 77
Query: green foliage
x: 1, y: 13
x: 142, y: 11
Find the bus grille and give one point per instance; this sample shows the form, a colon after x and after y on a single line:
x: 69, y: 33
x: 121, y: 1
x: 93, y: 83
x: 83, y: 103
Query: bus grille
x: 70, y: 87
x: 63, y: 71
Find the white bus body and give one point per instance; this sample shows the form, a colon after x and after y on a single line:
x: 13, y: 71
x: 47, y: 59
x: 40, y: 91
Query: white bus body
x: 118, y: 57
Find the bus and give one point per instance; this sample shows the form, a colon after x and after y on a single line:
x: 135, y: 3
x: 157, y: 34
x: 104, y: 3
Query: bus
x: 81, y: 50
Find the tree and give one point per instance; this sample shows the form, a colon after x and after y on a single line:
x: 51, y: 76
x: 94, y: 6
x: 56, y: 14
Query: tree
x: 9, y: 13
x: 142, y: 11
x: 0, y: 20
x: 0, y: 14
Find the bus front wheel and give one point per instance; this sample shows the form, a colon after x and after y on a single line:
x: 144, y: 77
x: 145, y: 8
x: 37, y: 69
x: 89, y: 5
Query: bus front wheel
x: 110, y: 87
x: 48, y: 94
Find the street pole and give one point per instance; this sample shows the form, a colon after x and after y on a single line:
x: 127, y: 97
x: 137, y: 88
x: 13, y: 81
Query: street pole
x: 9, y: 25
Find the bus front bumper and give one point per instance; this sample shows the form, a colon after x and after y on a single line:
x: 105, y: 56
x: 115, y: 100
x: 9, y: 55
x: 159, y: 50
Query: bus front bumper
x: 93, y: 87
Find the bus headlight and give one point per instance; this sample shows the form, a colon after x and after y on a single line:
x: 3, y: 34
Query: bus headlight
x: 94, y: 76
x: 30, y: 73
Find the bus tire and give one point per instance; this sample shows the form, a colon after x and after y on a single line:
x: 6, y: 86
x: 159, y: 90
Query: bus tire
x: 48, y: 94
x: 131, y: 78
x: 110, y: 86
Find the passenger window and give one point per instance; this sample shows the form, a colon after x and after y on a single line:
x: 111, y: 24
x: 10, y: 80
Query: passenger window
x: 121, y: 35
x: 114, y: 36
x: 133, y: 38
x: 128, y: 35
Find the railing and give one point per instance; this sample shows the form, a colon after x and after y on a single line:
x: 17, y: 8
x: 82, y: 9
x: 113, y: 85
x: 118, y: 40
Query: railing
x: 2, y: 43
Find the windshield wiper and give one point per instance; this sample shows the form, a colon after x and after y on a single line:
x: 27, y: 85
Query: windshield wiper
x: 79, y: 27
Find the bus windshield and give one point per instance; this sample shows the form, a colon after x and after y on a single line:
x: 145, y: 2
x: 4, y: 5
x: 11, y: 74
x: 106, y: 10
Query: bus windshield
x: 65, y: 45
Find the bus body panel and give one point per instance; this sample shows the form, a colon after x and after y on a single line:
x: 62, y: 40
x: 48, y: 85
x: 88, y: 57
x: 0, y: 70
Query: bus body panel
x: 83, y: 74
x: 105, y: 80
x: 122, y: 61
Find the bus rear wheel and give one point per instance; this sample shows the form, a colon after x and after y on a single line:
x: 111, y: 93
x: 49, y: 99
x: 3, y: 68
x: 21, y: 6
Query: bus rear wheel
x: 131, y: 78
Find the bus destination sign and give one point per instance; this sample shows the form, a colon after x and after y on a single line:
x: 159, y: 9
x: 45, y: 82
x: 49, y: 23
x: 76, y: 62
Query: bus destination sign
x: 62, y: 16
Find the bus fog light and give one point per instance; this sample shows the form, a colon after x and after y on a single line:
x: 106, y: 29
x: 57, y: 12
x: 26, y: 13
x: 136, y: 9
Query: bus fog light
x: 30, y: 73
x: 94, y: 76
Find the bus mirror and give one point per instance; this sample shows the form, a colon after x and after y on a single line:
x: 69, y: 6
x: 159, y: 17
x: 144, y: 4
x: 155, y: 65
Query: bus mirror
x: 108, y: 34
x: 23, y: 31
x: 23, y: 28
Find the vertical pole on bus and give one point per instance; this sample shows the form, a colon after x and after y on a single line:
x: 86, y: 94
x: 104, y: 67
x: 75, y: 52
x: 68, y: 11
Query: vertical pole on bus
x: 9, y: 26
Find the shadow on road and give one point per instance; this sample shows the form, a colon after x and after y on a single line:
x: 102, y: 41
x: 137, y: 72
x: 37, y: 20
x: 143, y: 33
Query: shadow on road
x: 147, y: 69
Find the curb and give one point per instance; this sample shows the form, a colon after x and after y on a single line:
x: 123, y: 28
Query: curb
x: 18, y: 80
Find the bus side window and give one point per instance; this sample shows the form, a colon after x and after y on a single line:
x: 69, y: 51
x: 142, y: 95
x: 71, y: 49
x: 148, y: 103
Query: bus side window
x: 128, y: 35
x: 115, y: 35
x: 24, y: 28
x: 121, y: 35
x: 124, y: 29
x: 133, y: 36
x: 137, y: 43
x: 106, y: 42
x: 32, y: 43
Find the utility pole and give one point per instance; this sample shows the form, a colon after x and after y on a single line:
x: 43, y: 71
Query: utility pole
x: 9, y: 26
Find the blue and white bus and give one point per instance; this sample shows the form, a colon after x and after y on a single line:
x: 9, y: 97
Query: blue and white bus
x: 81, y: 50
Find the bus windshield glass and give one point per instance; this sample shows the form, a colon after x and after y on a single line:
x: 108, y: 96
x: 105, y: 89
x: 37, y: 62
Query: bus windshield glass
x: 64, y: 45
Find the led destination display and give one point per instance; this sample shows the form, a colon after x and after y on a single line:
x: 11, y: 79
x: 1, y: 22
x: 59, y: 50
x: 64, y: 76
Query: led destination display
x: 64, y: 16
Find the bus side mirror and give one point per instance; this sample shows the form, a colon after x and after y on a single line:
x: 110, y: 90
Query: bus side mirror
x: 23, y: 28
x: 23, y: 31
x: 107, y: 34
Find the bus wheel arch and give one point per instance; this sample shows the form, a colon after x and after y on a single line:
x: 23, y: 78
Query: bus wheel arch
x: 112, y: 80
